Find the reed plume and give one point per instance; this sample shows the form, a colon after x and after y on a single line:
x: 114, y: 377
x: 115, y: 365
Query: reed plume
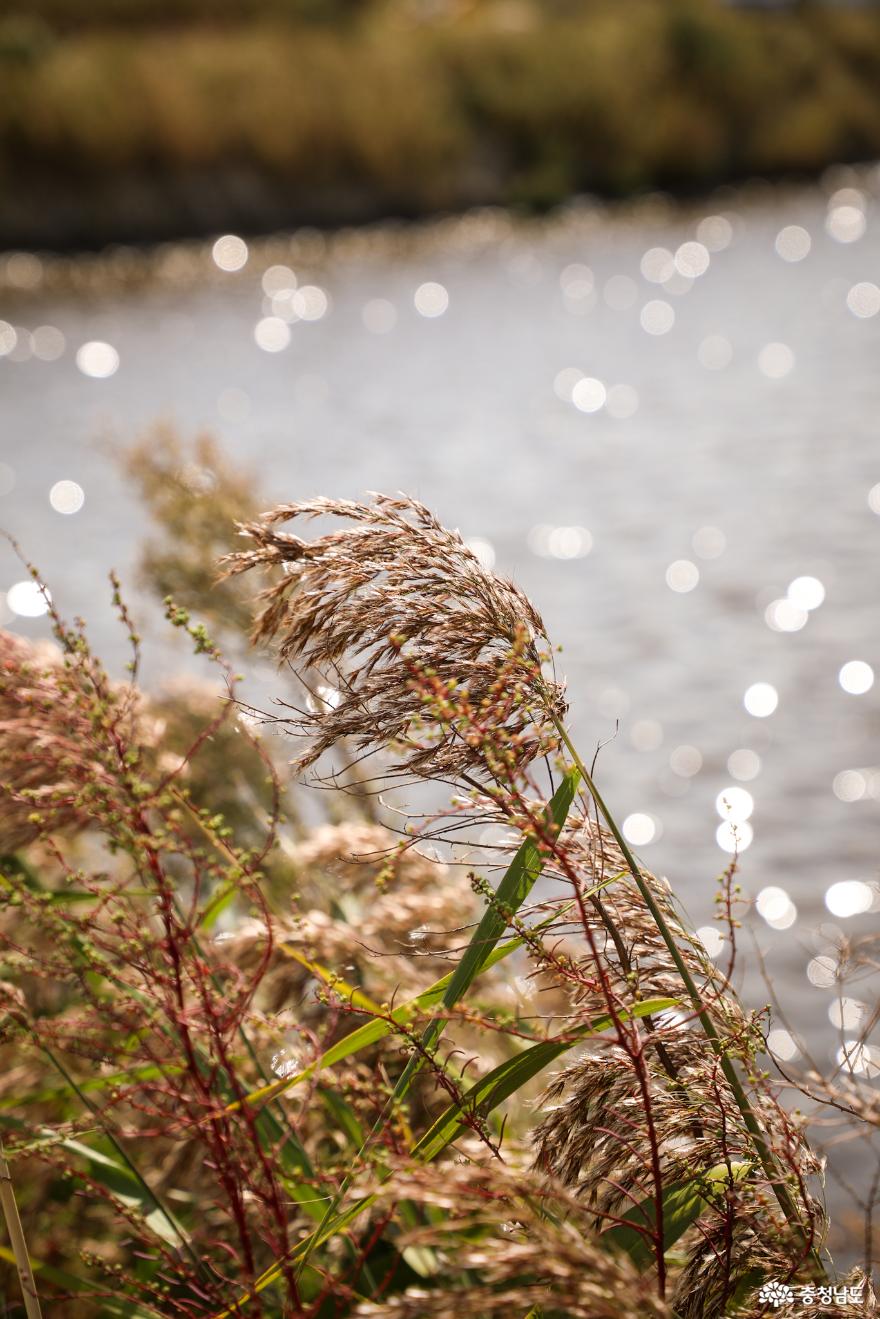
x: 367, y: 611
x: 53, y: 767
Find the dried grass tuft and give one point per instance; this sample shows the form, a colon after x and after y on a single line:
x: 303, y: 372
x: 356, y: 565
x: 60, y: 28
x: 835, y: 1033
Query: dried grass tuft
x: 367, y: 613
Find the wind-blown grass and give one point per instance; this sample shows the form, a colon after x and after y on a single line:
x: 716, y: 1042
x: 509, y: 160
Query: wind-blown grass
x: 286, y: 1069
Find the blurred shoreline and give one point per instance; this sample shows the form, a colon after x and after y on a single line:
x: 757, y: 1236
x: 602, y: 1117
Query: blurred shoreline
x: 121, y: 127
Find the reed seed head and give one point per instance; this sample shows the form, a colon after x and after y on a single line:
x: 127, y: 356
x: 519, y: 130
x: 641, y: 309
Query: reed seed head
x: 403, y: 639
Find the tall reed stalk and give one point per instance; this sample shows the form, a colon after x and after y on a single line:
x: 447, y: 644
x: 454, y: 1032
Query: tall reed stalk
x: 17, y: 1240
x: 656, y: 1174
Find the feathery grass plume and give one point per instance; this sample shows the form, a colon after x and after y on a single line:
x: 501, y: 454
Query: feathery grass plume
x: 365, y: 611
x: 636, y: 963
x: 517, y: 1248
x: 194, y: 496
x: 51, y: 764
x: 658, y: 1109
x: 387, y: 918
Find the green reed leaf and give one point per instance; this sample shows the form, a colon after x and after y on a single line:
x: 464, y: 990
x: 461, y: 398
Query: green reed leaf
x: 683, y: 1202
x: 511, y: 1075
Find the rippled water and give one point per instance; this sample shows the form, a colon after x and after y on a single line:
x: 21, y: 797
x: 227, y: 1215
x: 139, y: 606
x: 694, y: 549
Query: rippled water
x: 656, y: 463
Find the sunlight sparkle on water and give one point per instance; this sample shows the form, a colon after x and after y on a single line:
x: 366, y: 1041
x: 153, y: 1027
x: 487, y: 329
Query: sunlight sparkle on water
x: 692, y: 260
x: 849, y: 897
x: 785, y: 616
x: 863, y: 300
x: 578, y: 288
x: 682, y: 576
x: 589, y: 395
x: 793, y: 243
x: 272, y: 334
x: 560, y: 542
x: 708, y: 542
x: 230, y: 253
x: 856, y: 677
x: 67, y: 497
x: 576, y: 279
x: 278, y: 279
x: 744, y: 764
x: 715, y: 352
x: 781, y: 1044
x: 97, y: 359
x: 48, y: 343
x: 761, y: 699
x: 27, y: 600
x: 640, y: 829
x: 848, y: 197
x: 776, y: 907
x: 734, y: 804
x: 715, y: 232
x: 732, y: 837
x: 483, y: 549
x: 8, y: 338
x: 712, y: 939
x: 657, y: 317
x: 564, y: 382
x: 686, y: 761
x: 806, y: 593
x: 850, y: 785
x: 822, y: 971
x: 646, y: 734
x: 657, y: 265
x: 310, y: 303
x: 775, y: 361
x: 678, y: 284
x: 431, y: 299
x: 846, y: 1013
x: 859, y: 1058
x: 845, y: 224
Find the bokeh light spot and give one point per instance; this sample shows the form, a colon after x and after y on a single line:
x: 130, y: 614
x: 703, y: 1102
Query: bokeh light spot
x: 27, y: 599
x: 230, y: 253
x: 97, y: 359
x: 761, y: 699
x: 431, y: 299
x: 856, y: 677
x: 67, y: 497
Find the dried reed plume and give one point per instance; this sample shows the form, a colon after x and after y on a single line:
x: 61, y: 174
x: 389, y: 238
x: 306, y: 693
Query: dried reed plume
x: 663, y: 1098
x: 49, y: 761
x: 520, y: 1259
x: 366, y: 611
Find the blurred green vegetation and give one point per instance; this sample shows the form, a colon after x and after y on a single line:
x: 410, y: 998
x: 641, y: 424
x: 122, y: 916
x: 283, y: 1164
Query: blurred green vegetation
x: 186, y: 114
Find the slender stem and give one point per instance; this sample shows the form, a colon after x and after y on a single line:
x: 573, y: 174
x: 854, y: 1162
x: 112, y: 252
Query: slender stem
x: 17, y: 1241
x: 150, y: 1194
x: 768, y: 1162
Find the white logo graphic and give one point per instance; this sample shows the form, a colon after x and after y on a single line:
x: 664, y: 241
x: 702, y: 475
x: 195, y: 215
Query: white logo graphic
x: 776, y: 1294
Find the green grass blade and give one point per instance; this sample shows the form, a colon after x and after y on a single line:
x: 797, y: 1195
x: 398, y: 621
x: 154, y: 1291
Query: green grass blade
x: 515, y: 886
x: 511, y: 893
x: 373, y: 1031
x: 683, y: 1202
x: 121, y: 1182
x: 511, y: 1075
